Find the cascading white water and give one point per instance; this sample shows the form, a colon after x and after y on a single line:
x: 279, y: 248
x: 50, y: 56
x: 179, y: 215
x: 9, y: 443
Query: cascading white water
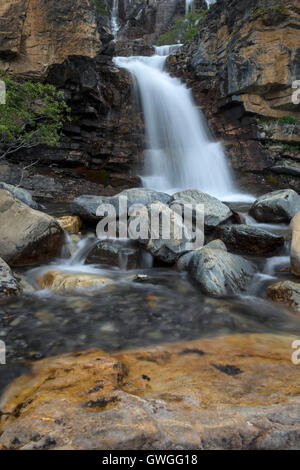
x: 114, y: 18
x: 188, y: 4
x: 180, y: 153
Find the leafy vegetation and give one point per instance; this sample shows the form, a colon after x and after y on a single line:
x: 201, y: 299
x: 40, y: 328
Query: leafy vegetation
x: 101, y: 6
x: 33, y: 114
x: 183, y: 29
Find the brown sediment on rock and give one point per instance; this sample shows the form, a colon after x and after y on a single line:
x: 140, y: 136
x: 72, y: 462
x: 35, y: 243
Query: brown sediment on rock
x: 243, y: 392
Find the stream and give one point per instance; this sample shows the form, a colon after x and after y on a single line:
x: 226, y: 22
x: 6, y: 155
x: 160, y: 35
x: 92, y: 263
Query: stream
x: 144, y: 303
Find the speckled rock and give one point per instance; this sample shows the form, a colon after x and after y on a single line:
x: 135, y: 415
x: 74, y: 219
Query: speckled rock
x: 286, y: 293
x: 60, y: 281
x: 233, y: 392
x: 71, y: 224
x: 219, y: 273
x: 8, y: 283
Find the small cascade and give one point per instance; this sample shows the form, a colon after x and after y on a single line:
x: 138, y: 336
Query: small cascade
x: 115, y: 18
x: 180, y: 152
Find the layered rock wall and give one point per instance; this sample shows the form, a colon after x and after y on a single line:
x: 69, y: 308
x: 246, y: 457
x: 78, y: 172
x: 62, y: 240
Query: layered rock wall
x: 242, y: 66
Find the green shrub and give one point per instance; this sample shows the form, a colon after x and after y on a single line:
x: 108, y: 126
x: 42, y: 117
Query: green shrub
x: 183, y: 29
x: 33, y: 114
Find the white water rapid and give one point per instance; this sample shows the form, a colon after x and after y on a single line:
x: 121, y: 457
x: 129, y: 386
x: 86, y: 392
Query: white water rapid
x: 180, y: 152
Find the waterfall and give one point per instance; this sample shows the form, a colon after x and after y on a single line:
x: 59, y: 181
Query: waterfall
x: 188, y: 4
x: 114, y: 17
x: 180, y: 153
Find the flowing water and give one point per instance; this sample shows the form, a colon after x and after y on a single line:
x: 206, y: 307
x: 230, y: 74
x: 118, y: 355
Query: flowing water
x: 180, y: 153
x: 114, y: 18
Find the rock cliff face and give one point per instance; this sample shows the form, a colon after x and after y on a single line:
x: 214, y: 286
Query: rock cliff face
x: 242, y: 66
x: 70, y: 45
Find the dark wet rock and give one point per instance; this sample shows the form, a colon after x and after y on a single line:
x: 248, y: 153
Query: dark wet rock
x: 157, y: 398
x: 86, y: 206
x: 215, y: 212
x: 219, y: 273
x: 278, y: 206
x: 116, y: 253
x: 249, y: 239
x: 21, y: 194
x: 8, y: 283
x: 27, y: 236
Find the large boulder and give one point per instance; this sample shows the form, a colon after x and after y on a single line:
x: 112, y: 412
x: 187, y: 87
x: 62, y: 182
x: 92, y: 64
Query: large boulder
x: 278, y: 206
x: 8, y: 283
x: 21, y: 194
x: 215, y: 212
x: 249, y: 239
x: 231, y: 392
x: 167, y: 246
x: 286, y: 293
x: 295, y: 245
x: 27, y: 236
x: 220, y: 273
x: 86, y: 206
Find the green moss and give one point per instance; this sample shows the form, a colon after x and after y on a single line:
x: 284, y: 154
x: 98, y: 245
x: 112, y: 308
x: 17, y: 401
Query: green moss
x: 271, y: 179
x: 258, y: 11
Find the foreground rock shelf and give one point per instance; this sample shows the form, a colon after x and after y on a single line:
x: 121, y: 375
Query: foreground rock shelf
x: 234, y: 392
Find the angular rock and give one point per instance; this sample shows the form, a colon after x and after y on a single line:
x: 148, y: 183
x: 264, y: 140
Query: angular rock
x: 60, y: 281
x: 71, y: 224
x: 278, y: 206
x: 286, y: 293
x: 27, y: 236
x: 295, y: 246
x: 233, y: 392
x: 220, y: 273
x: 22, y: 194
x: 163, y: 246
x: 249, y: 239
x: 86, y: 206
x: 8, y: 283
x: 215, y: 212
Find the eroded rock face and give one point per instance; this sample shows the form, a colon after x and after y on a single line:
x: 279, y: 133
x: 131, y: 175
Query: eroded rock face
x: 8, y: 283
x: 249, y: 239
x: 220, y: 273
x: 278, y: 206
x: 194, y: 395
x: 27, y: 236
x: 244, y: 89
x: 43, y: 35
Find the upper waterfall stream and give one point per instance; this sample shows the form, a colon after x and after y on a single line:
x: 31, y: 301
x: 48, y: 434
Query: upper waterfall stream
x: 180, y: 153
